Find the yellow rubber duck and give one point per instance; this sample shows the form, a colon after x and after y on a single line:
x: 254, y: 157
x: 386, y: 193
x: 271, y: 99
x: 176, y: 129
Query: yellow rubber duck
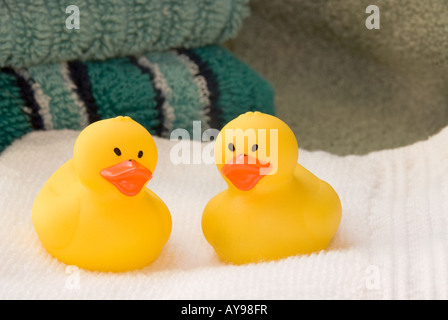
x: 95, y: 211
x: 273, y: 207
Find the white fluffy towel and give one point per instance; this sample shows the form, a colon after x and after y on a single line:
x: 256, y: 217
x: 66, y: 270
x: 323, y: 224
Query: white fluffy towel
x: 392, y: 242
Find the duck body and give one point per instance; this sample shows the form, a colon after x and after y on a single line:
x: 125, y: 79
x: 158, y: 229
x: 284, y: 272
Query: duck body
x: 298, y: 217
x: 96, y: 227
x: 295, y: 214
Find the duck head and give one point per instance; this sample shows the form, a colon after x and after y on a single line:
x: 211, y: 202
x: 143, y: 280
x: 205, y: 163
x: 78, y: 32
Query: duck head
x: 115, y: 155
x: 256, y: 151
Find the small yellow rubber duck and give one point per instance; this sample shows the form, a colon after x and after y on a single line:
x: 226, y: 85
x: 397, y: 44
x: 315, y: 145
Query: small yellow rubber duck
x: 273, y: 207
x: 95, y: 211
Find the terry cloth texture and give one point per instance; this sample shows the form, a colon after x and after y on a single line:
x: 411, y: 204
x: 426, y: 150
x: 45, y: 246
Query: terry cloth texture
x: 34, y: 31
x: 392, y: 242
x: 346, y: 89
x: 162, y: 91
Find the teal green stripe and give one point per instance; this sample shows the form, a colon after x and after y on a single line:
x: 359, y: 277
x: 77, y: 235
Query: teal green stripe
x: 120, y: 88
x: 65, y: 114
x: 241, y: 89
x: 13, y: 121
x: 185, y: 99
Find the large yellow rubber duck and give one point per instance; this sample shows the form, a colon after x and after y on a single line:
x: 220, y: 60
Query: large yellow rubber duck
x: 95, y: 211
x: 273, y: 207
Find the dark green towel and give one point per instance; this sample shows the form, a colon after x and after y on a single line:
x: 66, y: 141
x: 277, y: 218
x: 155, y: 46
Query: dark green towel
x: 162, y: 91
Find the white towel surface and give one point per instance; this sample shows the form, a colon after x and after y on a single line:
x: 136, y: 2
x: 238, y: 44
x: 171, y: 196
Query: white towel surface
x: 392, y: 242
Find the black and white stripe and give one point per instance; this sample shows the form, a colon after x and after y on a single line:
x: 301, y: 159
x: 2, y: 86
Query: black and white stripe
x: 32, y: 108
x: 79, y: 75
x: 163, y: 94
x: 71, y: 88
x: 211, y: 111
x: 159, y: 98
x: 40, y: 97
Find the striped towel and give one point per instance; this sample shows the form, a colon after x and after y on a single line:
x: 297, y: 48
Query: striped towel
x: 161, y: 90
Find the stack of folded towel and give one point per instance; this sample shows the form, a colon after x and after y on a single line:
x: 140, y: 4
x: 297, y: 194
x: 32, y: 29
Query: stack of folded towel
x: 159, y: 62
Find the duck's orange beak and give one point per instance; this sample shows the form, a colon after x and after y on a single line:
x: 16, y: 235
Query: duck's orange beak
x: 244, y: 171
x: 128, y: 176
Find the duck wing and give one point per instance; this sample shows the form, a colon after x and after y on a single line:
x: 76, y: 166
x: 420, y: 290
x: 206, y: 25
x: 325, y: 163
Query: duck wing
x: 322, y: 210
x: 56, y: 209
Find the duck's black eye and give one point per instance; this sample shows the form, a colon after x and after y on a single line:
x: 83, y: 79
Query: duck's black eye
x: 140, y: 154
x: 117, y: 151
x: 255, y: 147
x: 232, y: 147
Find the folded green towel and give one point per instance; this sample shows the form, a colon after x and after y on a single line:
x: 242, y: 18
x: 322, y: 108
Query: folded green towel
x: 35, y: 32
x: 163, y: 91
